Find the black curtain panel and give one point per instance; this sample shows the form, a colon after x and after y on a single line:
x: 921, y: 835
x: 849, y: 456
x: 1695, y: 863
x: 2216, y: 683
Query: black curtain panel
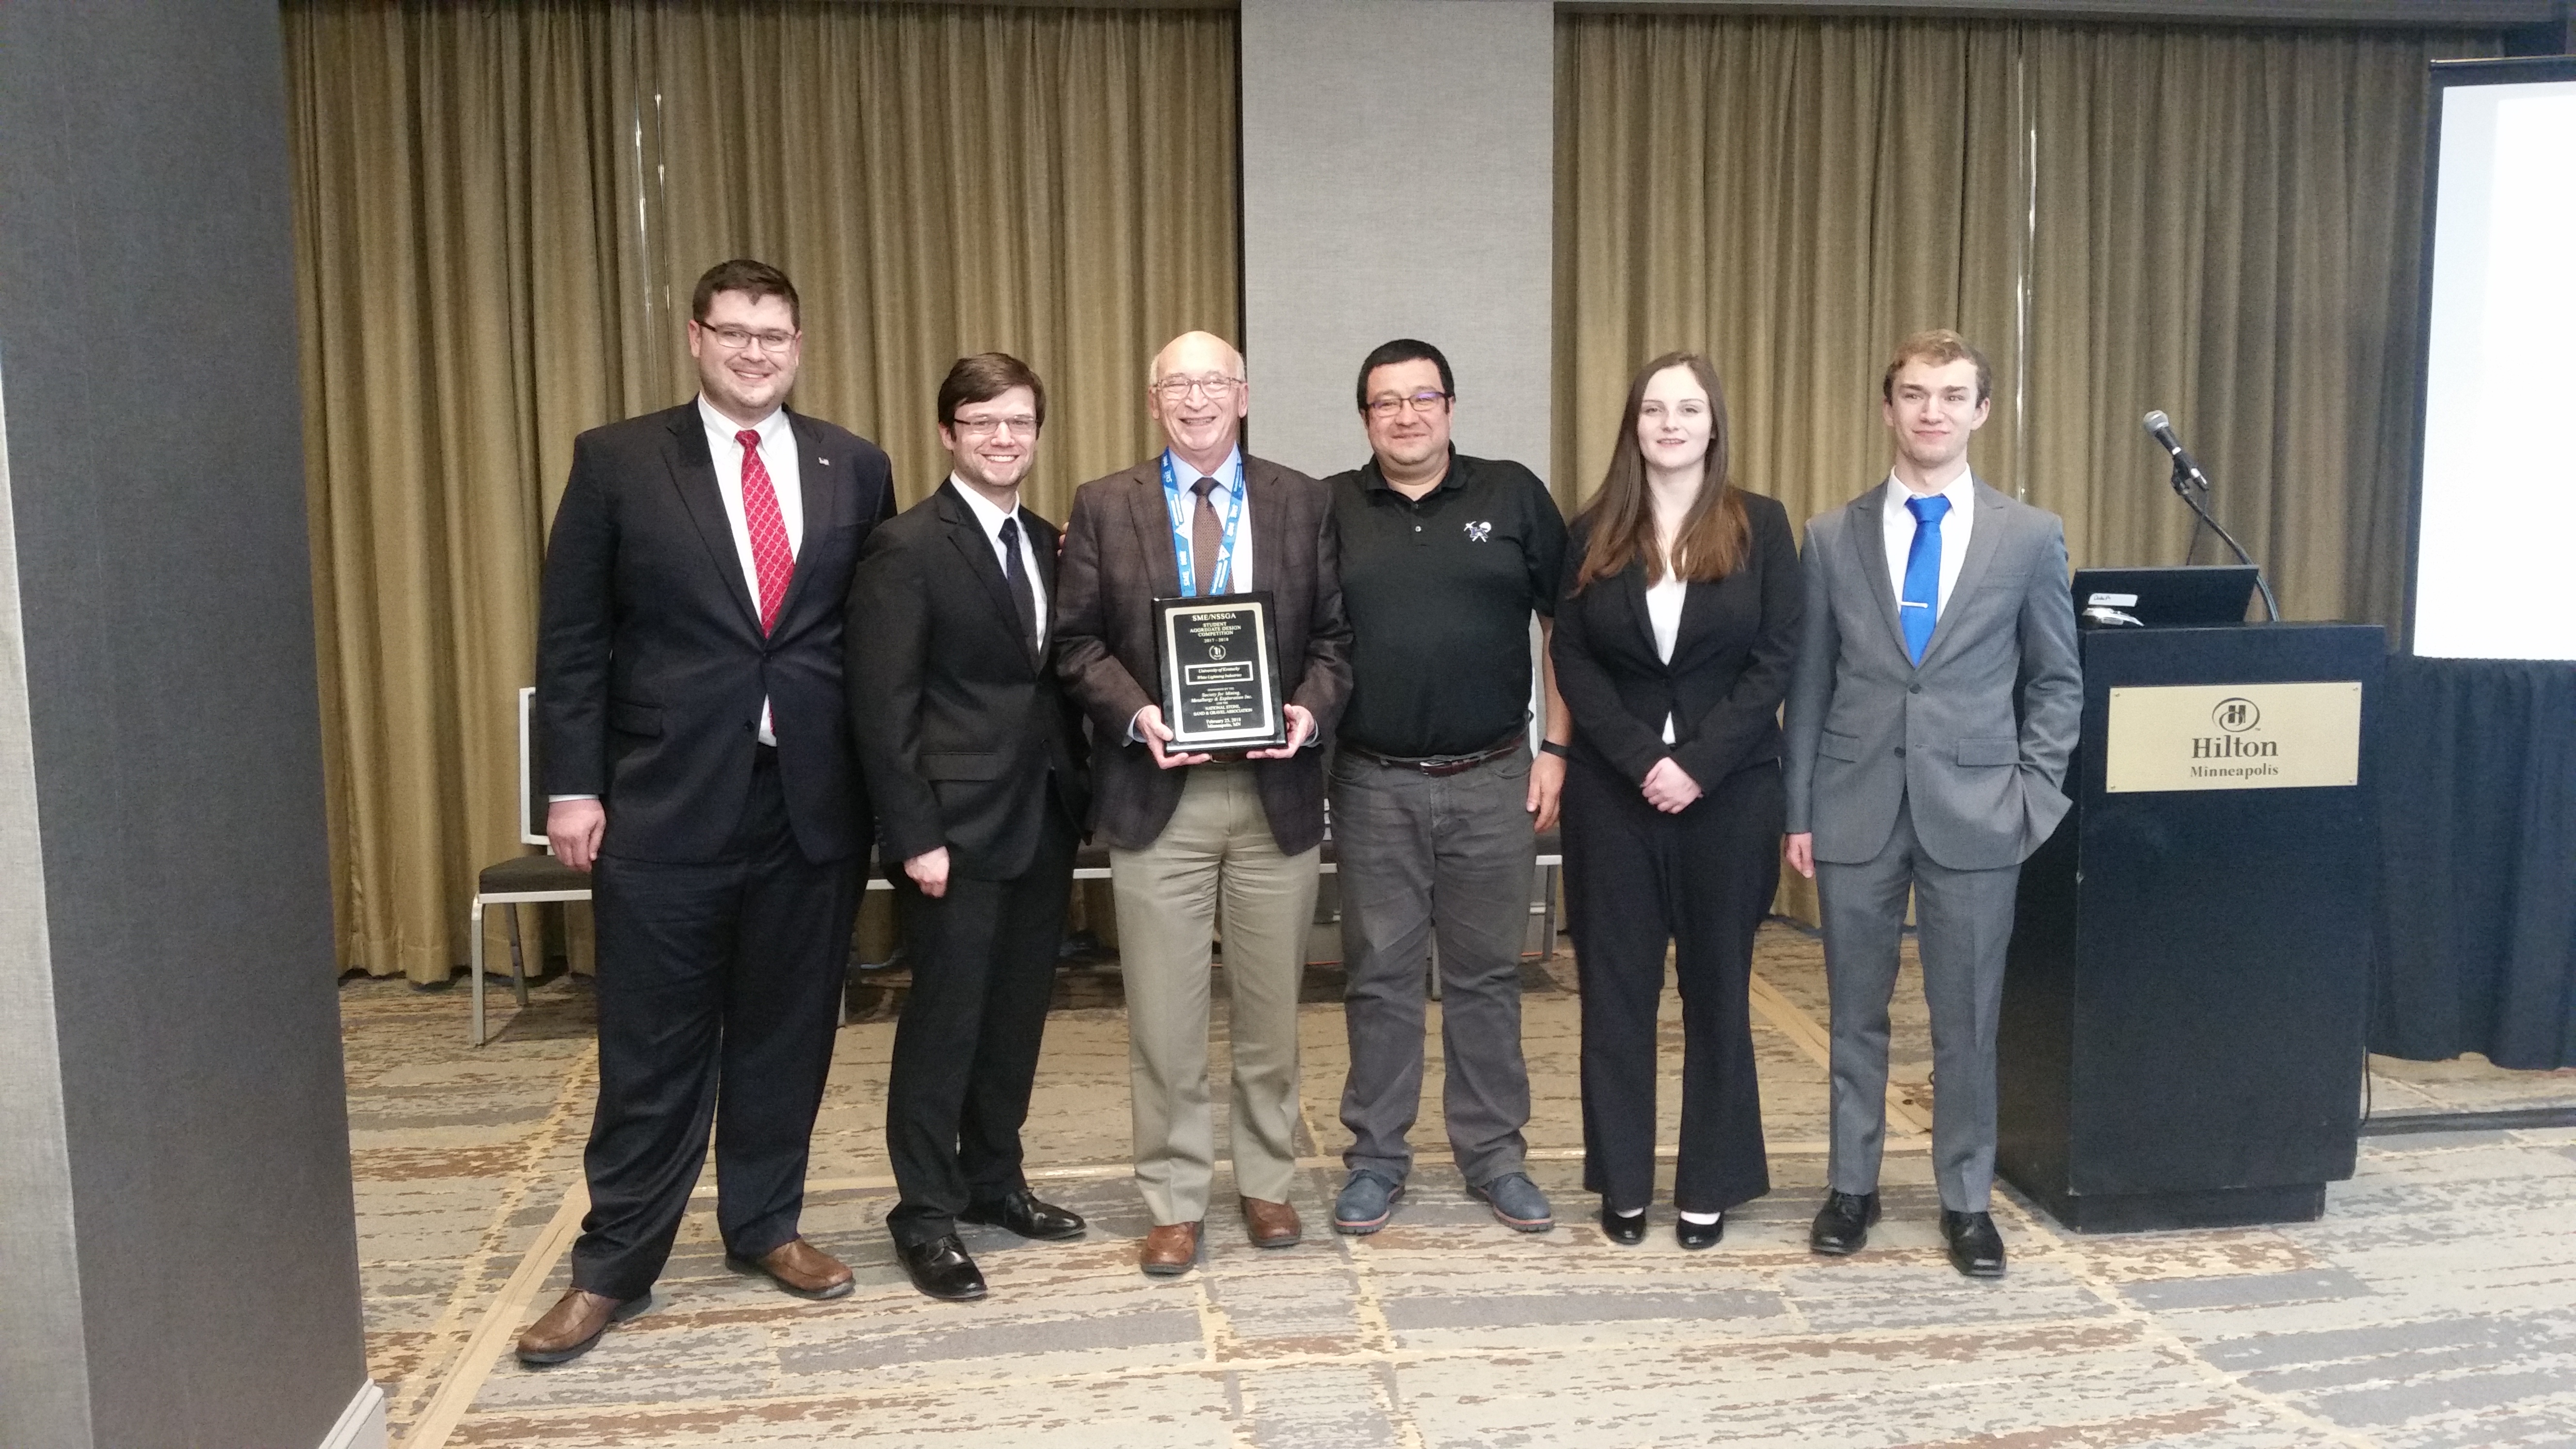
x: 2476, y: 762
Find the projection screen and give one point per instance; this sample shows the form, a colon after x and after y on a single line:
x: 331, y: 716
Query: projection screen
x: 2494, y: 568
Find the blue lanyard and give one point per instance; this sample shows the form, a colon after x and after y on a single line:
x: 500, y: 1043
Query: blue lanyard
x: 1222, y: 580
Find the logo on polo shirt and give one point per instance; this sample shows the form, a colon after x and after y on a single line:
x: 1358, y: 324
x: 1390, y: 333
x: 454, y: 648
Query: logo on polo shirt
x: 1479, y: 532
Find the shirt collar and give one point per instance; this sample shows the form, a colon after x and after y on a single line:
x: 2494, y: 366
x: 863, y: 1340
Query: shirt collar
x: 985, y: 513
x: 772, y: 429
x: 1373, y: 478
x: 1962, y: 491
x: 1228, y: 474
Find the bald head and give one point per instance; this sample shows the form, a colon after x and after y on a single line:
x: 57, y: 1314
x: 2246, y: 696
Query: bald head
x: 1197, y: 393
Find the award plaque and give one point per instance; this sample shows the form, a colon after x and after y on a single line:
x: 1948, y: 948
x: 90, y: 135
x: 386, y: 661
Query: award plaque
x: 1219, y: 660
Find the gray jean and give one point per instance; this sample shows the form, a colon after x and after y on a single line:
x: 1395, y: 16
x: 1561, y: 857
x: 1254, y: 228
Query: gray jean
x: 1421, y: 857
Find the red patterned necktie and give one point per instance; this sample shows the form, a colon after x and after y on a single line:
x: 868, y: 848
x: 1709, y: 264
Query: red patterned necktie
x: 769, y: 551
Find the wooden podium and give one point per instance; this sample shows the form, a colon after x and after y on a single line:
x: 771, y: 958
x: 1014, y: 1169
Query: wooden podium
x: 2182, y: 1034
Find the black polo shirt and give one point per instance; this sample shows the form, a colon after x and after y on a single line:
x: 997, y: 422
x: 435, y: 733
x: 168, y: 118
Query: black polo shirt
x: 1439, y: 592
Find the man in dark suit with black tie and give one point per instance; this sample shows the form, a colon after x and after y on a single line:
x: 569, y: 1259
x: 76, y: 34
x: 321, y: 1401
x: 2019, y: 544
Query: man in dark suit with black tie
x: 698, y: 760
x: 975, y: 762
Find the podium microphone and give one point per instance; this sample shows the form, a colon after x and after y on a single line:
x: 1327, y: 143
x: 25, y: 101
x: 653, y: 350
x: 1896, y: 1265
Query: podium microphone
x: 2160, y: 428
x: 2187, y: 478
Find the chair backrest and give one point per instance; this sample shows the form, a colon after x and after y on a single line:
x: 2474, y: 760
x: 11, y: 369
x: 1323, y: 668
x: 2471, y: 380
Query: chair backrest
x: 532, y: 798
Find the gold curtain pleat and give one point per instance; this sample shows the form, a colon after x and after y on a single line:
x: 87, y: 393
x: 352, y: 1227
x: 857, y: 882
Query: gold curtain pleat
x: 499, y: 211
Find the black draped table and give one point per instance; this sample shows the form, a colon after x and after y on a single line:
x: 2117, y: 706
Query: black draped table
x: 2476, y: 762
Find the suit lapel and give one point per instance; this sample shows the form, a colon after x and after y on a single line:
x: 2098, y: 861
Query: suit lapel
x: 1869, y: 547
x: 1153, y: 518
x: 1983, y: 539
x: 693, y: 474
x: 1269, y: 522
x: 1630, y: 586
x: 819, y: 485
x: 975, y: 549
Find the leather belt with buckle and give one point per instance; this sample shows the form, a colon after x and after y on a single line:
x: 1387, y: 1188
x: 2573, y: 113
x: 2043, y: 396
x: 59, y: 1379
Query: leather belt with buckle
x: 1439, y: 766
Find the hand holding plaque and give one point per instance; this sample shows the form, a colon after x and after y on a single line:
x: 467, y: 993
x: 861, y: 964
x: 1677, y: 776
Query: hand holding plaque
x: 1219, y: 672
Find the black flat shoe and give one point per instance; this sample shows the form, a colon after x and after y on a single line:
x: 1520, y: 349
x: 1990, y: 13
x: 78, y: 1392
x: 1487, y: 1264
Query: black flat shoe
x: 941, y: 1269
x: 1699, y: 1235
x: 1625, y: 1229
x: 1976, y: 1249
x: 1842, y: 1224
x: 1023, y: 1214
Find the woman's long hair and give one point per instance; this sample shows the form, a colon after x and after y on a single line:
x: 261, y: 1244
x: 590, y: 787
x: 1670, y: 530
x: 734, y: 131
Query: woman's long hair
x: 1714, y: 535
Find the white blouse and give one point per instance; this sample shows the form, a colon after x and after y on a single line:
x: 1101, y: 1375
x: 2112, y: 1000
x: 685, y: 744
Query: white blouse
x: 1664, y: 613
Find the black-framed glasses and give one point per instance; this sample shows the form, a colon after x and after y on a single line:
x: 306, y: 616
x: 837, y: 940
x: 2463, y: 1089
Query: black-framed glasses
x: 1391, y: 404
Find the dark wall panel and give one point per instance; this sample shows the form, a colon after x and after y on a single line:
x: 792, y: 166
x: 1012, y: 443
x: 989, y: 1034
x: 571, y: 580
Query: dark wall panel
x: 147, y: 330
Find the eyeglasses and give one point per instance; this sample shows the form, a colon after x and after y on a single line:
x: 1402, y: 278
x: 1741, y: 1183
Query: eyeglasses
x: 1018, y: 425
x: 735, y: 339
x: 1178, y: 389
x: 1421, y: 402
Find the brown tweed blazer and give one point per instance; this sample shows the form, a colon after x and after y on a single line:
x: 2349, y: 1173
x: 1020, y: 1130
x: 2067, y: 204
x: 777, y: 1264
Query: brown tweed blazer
x: 1118, y: 560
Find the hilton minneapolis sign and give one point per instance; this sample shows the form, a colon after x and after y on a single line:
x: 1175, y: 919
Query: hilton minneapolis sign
x: 2234, y: 737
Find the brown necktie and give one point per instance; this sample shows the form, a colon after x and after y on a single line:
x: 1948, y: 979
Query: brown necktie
x: 1207, y: 535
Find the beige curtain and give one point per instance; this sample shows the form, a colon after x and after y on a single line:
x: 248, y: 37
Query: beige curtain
x: 500, y: 209
x: 2222, y: 223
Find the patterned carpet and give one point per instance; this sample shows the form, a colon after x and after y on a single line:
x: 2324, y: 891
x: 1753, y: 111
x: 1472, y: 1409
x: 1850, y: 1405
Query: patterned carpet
x: 2434, y: 1305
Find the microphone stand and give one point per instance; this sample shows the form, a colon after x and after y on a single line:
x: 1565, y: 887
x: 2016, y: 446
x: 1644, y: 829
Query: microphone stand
x: 2183, y: 478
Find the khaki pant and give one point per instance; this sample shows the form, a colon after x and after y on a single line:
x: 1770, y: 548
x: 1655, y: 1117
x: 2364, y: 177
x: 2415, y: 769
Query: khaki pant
x: 1217, y: 852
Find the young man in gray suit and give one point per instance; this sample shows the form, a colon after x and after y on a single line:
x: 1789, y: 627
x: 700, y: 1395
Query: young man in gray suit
x: 1937, y: 612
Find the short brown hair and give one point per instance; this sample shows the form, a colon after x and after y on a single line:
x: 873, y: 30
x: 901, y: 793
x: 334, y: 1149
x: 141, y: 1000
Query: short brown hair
x: 1937, y: 348
x: 984, y: 377
x: 756, y: 279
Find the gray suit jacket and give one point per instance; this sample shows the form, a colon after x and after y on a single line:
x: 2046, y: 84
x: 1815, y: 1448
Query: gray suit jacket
x: 1867, y: 729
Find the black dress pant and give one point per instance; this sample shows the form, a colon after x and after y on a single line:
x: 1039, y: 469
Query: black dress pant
x: 966, y: 1051
x: 1702, y: 880
x: 719, y: 988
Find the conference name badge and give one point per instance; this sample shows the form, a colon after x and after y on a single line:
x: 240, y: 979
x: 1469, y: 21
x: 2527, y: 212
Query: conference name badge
x: 1218, y: 664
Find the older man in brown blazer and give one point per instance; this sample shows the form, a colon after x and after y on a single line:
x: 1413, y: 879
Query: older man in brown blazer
x: 1186, y: 832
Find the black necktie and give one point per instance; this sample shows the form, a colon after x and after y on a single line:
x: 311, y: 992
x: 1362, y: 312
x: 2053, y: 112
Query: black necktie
x: 1016, y: 571
x: 1207, y: 536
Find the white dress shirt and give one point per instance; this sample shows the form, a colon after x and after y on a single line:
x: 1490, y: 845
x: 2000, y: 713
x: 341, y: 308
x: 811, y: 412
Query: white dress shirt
x: 990, y: 519
x: 1229, y: 477
x: 1664, y: 615
x: 778, y: 455
x: 1896, y: 523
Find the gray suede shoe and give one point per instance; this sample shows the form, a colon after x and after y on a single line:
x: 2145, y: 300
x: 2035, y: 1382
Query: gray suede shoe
x: 1368, y: 1199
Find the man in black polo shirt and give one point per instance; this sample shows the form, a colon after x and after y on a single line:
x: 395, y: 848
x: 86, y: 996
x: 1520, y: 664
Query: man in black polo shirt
x: 1435, y: 795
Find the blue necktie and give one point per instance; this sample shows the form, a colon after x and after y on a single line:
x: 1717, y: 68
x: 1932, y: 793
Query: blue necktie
x: 1919, y: 608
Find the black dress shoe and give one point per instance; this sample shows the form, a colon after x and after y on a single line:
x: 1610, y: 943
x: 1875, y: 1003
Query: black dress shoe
x: 941, y: 1269
x: 1976, y: 1249
x: 1842, y: 1224
x: 1023, y: 1214
x: 1625, y: 1229
x: 1699, y: 1235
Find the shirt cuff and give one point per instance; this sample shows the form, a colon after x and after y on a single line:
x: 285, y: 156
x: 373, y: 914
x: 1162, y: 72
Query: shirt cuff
x: 559, y: 799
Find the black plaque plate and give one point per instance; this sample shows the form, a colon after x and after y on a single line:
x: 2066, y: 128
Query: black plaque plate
x: 1219, y: 660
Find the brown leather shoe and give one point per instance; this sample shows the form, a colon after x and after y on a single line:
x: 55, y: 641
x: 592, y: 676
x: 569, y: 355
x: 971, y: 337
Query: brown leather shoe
x: 574, y: 1324
x: 800, y: 1268
x: 1169, y: 1249
x: 1272, y: 1224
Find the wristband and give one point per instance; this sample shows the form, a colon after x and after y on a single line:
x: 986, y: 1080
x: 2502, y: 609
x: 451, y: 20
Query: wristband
x: 1551, y: 747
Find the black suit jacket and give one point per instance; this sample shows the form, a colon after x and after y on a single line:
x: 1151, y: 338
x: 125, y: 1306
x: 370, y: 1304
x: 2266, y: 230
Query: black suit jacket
x: 1118, y: 559
x: 1730, y: 666
x: 650, y: 661
x: 961, y: 731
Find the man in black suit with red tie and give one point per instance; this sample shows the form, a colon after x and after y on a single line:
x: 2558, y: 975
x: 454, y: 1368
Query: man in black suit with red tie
x: 698, y: 761
x: 976, y: 763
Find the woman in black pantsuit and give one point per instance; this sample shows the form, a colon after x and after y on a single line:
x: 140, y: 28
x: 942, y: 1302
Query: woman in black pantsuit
x: 1673, y: 641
